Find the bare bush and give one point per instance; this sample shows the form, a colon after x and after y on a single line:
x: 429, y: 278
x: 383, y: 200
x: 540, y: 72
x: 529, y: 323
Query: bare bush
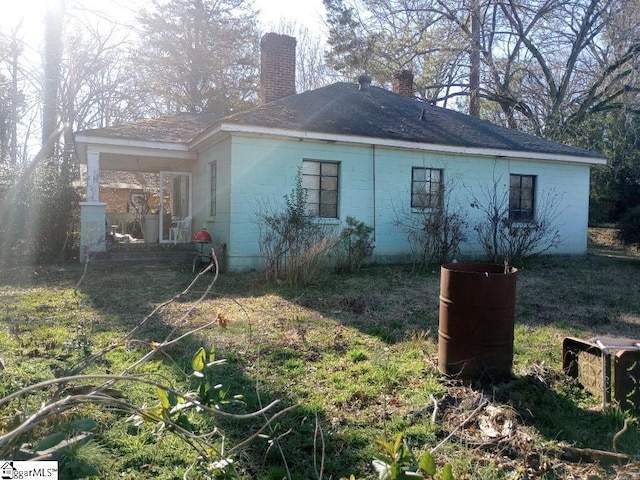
x: 434, y: 233
x: 506, y: 240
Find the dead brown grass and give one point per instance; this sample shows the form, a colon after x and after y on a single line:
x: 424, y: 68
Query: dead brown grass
x: 604, y: 241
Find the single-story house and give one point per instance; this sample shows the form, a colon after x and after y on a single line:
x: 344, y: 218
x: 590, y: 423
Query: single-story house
x: 364, y: 152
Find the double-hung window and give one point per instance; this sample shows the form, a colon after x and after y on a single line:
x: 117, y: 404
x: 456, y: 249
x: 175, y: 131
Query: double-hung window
x: 426, y: 187
x: 521, y: 198
x: 320, y: 180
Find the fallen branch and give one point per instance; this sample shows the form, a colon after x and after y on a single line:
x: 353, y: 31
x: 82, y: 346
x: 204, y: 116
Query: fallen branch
x: 434, y: 415
x: 617, y: 436
x: 575, y: 454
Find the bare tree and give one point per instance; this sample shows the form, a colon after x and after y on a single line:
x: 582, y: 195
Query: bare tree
x: 52, y: 60
x: 6, y: 106
x: 382, y: 37
x: 97, y: 88
x: 544, y: 65
x: 11, y: 96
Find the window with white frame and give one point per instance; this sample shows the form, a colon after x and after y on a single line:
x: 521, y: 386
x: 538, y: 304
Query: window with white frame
x: 320, y: 180
x: 426, y: 187
x: 522, y: 198
x: 213, y: 187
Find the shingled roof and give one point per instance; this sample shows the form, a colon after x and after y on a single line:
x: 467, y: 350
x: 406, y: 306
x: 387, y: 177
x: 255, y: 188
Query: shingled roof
x: 179, y: 128
x: 347, y: 109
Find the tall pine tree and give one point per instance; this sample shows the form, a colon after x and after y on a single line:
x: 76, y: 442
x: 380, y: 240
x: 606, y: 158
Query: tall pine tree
x: 199, y: 55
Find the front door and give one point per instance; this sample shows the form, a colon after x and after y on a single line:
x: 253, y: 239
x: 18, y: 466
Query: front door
x: 175, y: 207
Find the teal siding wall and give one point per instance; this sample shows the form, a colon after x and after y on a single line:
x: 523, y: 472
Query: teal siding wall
x: 375, y: 184
x: 219, y: 226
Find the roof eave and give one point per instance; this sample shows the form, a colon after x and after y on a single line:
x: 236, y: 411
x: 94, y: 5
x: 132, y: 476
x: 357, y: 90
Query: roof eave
x: 132, y: 146
x: 209, y: 136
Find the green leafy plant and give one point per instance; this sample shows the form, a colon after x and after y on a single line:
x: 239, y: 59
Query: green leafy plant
x: 81, y: 340
x: 397, y: 462
x: 178, y: 412
x: 354, y: 245
x: 206, y: 392
x: 38, y: 207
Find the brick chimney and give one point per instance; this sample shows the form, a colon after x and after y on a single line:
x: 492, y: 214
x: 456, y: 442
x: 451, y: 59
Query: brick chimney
x: 402, y: 82
x: 277, y: 67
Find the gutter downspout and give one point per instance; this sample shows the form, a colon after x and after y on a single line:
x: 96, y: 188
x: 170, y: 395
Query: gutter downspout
x: 373, y: 178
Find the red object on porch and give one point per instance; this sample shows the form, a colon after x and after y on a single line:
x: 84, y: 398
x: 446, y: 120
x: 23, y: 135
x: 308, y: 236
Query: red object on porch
x: 202, y: 236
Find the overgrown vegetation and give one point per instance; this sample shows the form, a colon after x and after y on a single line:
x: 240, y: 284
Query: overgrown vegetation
x: 39, y: 208
x: 434, y: 233
x: 62, y: 414
x: 294, y: 245
x: 398, y: 462
x: 504, y: 239
x: 629, y: 227
x: 353, y: 359
x: 614, y: 186
x: 354, y: 246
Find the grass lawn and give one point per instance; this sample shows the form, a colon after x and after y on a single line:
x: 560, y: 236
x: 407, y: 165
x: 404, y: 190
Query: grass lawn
x: 353, y: 359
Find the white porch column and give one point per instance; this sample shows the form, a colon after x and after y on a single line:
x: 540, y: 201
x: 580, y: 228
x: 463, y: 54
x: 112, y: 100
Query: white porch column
x: 93, y: 175
x: 92, y: 212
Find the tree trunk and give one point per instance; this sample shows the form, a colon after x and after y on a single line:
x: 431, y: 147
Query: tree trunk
x: 474, y: 57
x: 13, y: 145
x: 52, y: 60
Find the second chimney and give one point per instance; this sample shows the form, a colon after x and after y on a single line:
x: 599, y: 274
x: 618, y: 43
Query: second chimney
x: 277, y: 67
x: 402, y: 82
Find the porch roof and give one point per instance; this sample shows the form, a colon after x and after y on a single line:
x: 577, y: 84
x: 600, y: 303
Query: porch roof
x: 178, y: 128
x: 149, y: 145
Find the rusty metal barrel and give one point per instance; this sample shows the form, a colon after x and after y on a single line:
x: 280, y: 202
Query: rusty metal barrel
x: 477, y: 311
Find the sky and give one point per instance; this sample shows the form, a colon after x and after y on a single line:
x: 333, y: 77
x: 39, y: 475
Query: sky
x: 309, y: 13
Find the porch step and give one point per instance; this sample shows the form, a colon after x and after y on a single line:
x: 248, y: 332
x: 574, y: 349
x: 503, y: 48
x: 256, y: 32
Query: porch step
x: 146, y: 254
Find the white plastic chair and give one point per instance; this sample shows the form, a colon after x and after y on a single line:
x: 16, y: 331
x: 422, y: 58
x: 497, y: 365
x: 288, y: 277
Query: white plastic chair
x: 180, y: 230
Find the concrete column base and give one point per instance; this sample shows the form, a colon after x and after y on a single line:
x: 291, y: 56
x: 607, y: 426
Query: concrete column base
x: 92, y: 229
